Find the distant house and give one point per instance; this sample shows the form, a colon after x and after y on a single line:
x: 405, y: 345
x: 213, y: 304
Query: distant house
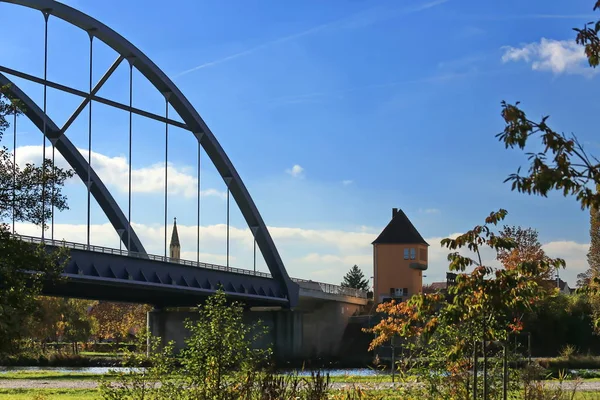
x: 563, y: 286
x: 451, y: 279
x: 435, y: 287
x: 399, y: 259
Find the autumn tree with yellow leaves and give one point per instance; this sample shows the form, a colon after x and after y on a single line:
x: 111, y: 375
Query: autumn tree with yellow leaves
x: 116, y: 321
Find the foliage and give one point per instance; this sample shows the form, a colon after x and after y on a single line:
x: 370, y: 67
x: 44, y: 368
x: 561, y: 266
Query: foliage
x: 218, y: 361
x: 220, y: 347
x: 24, y: 268
x: 593, y: 255
x: 588, y: 37
x: 116, y: 321
x: 584, y: 278
x: 485, y: 305
x: 61, y: 319
x: 527, y: 249
x: 355, y: 278
x: 22, y: 188
x: 563, y: 165
x: 559, y: 321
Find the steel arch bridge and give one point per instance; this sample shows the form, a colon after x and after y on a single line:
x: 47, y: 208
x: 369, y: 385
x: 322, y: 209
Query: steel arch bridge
x: 280, y: 288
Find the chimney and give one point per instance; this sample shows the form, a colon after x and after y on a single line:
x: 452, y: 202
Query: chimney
x: 394, y: 212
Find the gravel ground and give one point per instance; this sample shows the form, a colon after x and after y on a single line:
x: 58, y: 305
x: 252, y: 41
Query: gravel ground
x: 89, y: 384
x: 47, y: 384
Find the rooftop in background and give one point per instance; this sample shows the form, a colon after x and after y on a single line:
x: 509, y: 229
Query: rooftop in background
x: 400, y: 230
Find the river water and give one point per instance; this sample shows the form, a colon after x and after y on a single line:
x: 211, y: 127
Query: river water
x: 104, y: 370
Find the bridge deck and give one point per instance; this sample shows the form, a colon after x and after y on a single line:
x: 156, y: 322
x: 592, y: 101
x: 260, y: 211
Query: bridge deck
x: 114, y: 274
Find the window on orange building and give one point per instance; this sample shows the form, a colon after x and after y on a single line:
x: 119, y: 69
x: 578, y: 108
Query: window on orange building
x: 413, y: 254
x: 406, y: 254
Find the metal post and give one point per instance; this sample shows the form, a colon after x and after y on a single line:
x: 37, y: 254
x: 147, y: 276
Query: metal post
x: 166, y: 164
x: 393, y: 361
x: 529, y: 346
x: 130, y: 151
x: 46, y: 16
x: 14, y: 193
x: 254, y: 256
x: 52, y: 196
x: 475, y: 370
x: 484, y: 348
x: 505, y: 372
x: 228, y: 225
x: 198, y: 211
x: 89, y: 177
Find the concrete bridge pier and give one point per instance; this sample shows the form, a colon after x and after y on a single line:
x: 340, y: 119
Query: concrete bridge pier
x: 284, y: 329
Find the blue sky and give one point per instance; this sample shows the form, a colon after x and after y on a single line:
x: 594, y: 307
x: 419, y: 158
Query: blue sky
x: 378, y: 104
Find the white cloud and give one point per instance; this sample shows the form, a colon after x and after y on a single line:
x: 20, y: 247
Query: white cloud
x: 557, y: 56
x: 114, y: 172
x: 347, y: 182
x: 296, y: 171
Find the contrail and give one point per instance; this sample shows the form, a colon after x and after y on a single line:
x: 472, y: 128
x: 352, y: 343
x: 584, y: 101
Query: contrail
x: 308, y: 32
x: 259, y: 47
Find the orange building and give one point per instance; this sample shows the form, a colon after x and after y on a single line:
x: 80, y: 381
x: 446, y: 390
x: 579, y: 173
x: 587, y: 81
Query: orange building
x: 399, y: 259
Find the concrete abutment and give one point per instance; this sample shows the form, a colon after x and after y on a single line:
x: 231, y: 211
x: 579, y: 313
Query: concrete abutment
x: 314, y: 330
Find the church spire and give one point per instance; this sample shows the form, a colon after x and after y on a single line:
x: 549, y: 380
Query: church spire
x: 175, y: 247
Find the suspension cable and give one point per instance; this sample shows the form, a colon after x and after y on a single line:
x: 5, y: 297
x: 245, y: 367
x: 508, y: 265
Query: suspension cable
x: 227, y: 224
x: 130, y: 147
x: 198, y: 211
x: 14, y: 193
x: 46, y: 16
x: 166, y: 164
x: 89, y: 174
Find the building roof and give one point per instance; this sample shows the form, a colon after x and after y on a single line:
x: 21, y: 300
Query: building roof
x: 400, y: 231
x: 438, y: 285
x: 175, y: 235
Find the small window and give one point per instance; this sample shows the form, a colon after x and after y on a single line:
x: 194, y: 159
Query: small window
x: 406, y: 254
x: 399, y: 292
x: 413, y: 254
x: 405, y: 291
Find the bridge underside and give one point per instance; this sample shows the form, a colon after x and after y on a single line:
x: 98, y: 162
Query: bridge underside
x: 111, y: 277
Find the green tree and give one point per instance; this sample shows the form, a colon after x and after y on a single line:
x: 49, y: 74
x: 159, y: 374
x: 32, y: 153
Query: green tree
x: 218, y: 362
x: 24, y: 268
x: 593, y: 255
x: 355, y: 279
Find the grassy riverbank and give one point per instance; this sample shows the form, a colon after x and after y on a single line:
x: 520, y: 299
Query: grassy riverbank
x: 54, y: 375
x: 89, y: 394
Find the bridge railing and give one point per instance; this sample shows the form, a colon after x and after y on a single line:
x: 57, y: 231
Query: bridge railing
x: 325, y: 287
x: 335, y: 289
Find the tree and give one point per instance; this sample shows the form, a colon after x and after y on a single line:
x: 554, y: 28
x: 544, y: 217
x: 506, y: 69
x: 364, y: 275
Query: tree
x: 24, y: 268
x: 527, y: 249
x: 218, y: 361
x: 584, y: 278
x: 593, y: 255
x: 484, y: 305
x: 116, y: 321
x: 355, y: 279
x: 563, y: 165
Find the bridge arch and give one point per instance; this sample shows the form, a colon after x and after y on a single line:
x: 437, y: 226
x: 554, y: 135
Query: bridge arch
x: 192, y: 120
